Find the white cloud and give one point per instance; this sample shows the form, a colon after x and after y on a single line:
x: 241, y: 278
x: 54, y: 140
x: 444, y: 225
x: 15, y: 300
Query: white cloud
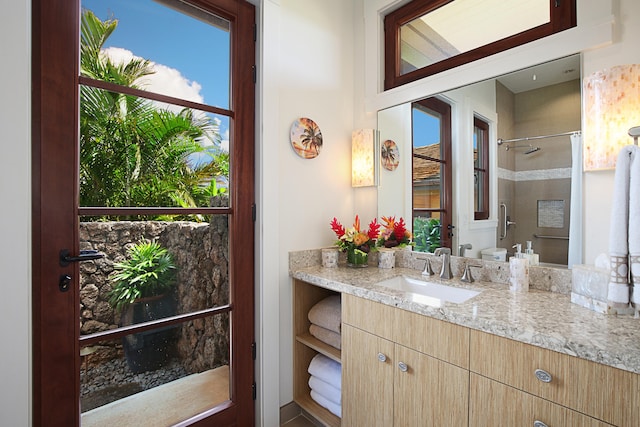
x: 168, y: 81
x: 165, y: 80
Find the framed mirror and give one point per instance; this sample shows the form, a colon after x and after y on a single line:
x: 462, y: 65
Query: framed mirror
x: 528, y: 118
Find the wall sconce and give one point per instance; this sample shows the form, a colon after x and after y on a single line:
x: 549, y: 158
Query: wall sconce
x: 611, y: 108
x: 363, y: 158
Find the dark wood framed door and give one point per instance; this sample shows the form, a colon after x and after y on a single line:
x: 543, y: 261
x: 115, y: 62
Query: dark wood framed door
x: 57, y: 215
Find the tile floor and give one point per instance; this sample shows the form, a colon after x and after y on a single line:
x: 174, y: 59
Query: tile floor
x: 299, y: 421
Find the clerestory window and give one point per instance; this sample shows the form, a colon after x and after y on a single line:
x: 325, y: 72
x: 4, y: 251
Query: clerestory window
x: 425, y: 37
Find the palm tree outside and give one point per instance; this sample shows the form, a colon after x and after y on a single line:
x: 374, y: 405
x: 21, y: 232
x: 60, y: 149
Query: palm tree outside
x: 134, y: 152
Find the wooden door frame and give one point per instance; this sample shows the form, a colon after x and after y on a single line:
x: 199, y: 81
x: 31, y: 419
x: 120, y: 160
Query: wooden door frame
x: 55, y: 109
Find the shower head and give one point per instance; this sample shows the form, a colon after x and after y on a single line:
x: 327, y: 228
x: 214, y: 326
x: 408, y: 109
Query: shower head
x: 532, y: 150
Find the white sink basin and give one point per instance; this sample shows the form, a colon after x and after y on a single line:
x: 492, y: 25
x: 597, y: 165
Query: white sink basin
x: 428, y: 292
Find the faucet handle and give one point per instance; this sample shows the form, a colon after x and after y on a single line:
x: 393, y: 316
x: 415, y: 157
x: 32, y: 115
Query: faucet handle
x: 428, y: 271
x: 466, y: 275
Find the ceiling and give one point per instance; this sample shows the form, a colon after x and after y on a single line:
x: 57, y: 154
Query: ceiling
x: 550, y: 73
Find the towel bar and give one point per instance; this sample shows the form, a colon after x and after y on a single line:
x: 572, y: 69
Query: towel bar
x: 540, y: 236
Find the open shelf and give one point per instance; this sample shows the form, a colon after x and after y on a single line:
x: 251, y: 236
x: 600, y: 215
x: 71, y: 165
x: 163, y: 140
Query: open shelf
x: 306, y: 347
x: 319, y: 346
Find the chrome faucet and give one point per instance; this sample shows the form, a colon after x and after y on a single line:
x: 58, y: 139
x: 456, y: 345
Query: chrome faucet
x: 462, y: 248
x: 445, y: 255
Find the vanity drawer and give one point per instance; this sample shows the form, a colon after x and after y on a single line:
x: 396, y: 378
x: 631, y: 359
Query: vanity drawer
x: 368, y: 315
x: 495, y: 404
x: 436, y: 338
x: 600, y: 391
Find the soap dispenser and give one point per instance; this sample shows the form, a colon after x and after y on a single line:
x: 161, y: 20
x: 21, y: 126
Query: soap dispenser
x: 518, y: 270
x: 534, y: 259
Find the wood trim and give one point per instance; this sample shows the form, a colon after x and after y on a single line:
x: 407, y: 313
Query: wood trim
x: 126, y: 90
x: 56, y: 361
x: 483, y: 212
x: 562, y: 17
x: 446, y: 159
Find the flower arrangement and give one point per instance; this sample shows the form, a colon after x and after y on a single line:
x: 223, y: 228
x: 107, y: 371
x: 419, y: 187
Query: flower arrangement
x: 394, y: 233
x: 355, y: 242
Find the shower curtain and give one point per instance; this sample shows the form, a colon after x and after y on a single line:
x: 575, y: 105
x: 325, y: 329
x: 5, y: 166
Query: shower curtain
x: 575, y: 216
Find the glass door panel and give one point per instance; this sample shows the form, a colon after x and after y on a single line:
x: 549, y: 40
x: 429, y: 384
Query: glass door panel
x: 156, y: 378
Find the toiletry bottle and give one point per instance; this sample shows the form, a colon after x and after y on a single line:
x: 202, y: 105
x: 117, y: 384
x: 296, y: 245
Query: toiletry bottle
x: 534, y: 259
x: 518, y: 270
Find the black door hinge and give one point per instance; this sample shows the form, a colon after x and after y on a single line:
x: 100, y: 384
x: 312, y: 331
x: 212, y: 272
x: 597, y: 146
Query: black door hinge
x: 254, y: 350
x: 254, y: 391
x: 255, y: 33
x: 253, y: 217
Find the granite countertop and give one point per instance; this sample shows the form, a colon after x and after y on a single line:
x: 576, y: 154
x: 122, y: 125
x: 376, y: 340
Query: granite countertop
x: 541, y: 318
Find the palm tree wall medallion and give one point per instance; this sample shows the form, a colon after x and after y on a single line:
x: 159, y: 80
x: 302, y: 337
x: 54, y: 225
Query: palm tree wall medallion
x: 389, y: 155
x: 306, y: 138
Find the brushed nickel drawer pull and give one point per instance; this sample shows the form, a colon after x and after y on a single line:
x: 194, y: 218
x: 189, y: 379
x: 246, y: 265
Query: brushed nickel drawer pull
x: 382, y: 357
x: 403, y: 367
x: 537, y: 423
x: 543, y: 376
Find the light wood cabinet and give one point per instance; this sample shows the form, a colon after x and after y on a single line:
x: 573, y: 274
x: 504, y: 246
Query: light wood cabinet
x: 495, y: 404
x: 305, y: 296
x: 600, y: 391
x: 454, y: 376
x: 386, y: 383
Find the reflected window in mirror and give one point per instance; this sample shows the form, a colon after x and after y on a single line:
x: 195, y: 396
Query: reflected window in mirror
x: 425, y: 37
x: 480, y: 168
x: 432, y: 171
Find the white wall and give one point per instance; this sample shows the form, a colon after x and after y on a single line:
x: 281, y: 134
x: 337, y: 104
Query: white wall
x: 15, y: 217
x: 308, y: 72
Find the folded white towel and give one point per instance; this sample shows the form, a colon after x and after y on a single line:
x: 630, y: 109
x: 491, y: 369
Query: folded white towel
x: 618, y: 294
x: 634, y: 224
x: 327, y: 313
x: 326, y: 336
x: 327, y: 370
x: 335, y: 409
x: 325, y: 389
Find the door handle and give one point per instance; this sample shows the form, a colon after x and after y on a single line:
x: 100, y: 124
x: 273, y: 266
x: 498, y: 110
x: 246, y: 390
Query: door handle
x: 86, y: 255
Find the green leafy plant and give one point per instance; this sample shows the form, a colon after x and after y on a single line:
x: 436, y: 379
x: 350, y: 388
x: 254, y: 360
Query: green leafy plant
x: 426, y: 234
x: 148, y: 271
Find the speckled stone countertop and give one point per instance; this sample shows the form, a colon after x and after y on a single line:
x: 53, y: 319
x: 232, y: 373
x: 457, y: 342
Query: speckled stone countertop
x: 538, y: 317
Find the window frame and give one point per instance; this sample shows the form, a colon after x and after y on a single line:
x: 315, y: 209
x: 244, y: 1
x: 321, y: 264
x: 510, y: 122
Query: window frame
x: 562, y: 17
x: 445, y: 210
x: 483, y: 146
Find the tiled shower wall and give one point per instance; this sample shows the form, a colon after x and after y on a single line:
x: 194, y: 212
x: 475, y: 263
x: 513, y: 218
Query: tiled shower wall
x: 545, y: 175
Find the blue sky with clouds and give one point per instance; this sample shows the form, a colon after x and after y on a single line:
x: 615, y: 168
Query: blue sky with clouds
x: 199, y: 51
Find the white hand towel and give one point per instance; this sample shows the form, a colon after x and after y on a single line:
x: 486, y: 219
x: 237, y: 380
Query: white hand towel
x: 327, y: 313
x: 634, y: 224
x: 325, y: 389
x: 325, y: 403
x: 326, y: 336
x: 327, y: 370
x: 618, y: 294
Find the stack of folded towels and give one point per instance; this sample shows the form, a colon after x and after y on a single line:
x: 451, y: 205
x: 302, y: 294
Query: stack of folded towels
x: 326, y: 374
x: 326, y: 320
x: 326, y: 383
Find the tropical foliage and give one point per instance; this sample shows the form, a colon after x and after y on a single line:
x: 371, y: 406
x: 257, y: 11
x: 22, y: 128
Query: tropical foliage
x: 133, y: 152
x: 426, y: 234
x: 148, y: 271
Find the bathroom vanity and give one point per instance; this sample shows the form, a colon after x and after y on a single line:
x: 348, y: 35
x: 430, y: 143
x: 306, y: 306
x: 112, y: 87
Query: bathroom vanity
x: 498, y: 358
